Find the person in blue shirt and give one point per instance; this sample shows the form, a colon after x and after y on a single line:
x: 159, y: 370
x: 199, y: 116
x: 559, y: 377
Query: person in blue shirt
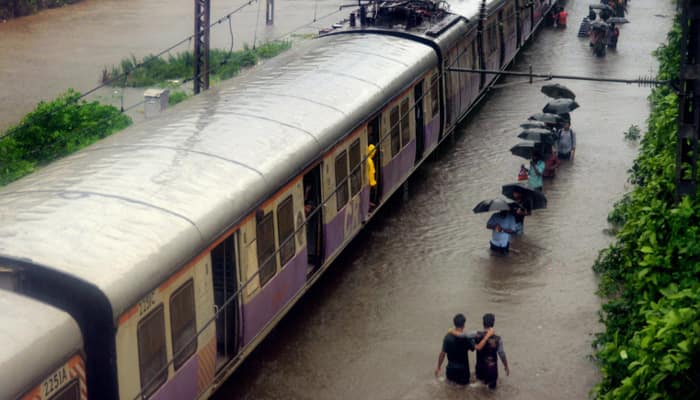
x: 503, y: 225
x: 534, y: 174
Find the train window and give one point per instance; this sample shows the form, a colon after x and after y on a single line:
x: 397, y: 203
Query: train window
x: 183, y: 324
x: 265, y: 239
x: 285, y: 228
x: 152, y: 357
x: 474, y: 65
x: 434, y: 95
x: 70, y: 392
x: 405, y: 133
x: 341, y: 173
x: 355, y: 167
x: 493, y: 38
x: 394, y: 131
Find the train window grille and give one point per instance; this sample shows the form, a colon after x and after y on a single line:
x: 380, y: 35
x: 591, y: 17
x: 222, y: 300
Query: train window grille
x: 285, y: 227
x: 405, y: 132
x: 265, y: 240
x: 70, y: 392
x: 341, y: 173
x: 183, y: 323
x: 152, y: 356
x: 474, y: 59
x: 394, y: 131
x: 355, y: 167
x: 434, y: 103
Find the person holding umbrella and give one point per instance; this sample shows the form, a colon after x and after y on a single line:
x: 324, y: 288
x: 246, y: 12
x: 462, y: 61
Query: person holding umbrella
x: 566, y: 146
x: 503, y: 225
x: 521, y: 209
x: 534, y: 174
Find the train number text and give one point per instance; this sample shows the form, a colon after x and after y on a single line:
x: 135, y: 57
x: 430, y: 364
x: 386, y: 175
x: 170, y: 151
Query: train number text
x: 146, y: 303
x: 55, y: 382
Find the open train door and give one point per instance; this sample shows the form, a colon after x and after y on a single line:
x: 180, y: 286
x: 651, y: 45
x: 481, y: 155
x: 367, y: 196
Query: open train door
x: 224, y: 259
x: 420, y: 128
x: 314, y: 224
x: 502, y: 40
x: 373, y: 136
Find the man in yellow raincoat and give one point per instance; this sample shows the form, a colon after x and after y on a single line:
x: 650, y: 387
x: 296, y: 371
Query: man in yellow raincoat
x: 371, y: 175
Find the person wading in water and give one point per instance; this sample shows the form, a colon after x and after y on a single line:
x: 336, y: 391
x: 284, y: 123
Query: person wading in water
x: 486, y: 358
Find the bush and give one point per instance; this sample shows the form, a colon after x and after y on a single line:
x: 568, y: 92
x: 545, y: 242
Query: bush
x: 55, y: 129
x: 633, y: 133
x: 152, y: 70
x: 177, y: 97
x: 650, y: 277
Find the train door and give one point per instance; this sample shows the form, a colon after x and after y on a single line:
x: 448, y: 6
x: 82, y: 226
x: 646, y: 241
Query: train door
x: 314, y: 227
x: 420, y: 127
x: 224, y: 259
x: 373, y: 137
x: 501, y: 40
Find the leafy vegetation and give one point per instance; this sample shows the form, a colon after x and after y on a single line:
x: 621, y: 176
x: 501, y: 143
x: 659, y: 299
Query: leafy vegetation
x: 633, y: 133
x: 650, y: 277
x: 177, y: 97
x: 18, y: 8
x: 55, y: 129
x: 179, y: 67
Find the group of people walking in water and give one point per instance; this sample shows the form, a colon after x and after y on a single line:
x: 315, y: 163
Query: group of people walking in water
x: 557, y: 142
x: 546, y: 157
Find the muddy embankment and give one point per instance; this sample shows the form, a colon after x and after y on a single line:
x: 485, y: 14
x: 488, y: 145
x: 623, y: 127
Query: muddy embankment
x: 19, y: 8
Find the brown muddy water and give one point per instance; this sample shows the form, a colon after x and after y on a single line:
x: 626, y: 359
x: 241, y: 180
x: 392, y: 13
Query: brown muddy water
x: 372, y: 328
x: 44, y: 54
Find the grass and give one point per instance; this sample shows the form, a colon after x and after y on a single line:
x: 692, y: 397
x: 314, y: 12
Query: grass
x: 155, y: 71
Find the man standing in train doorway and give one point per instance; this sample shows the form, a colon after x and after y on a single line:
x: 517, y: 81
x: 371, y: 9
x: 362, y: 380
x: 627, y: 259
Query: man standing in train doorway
x: 372, y: 176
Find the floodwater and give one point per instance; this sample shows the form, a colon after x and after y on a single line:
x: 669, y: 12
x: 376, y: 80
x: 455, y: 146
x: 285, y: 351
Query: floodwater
x: 43, y: 55
x: 372, y: 327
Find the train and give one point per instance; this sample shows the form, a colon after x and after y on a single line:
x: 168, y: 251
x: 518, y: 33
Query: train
x: 177, y: 244
x: 42, y: 355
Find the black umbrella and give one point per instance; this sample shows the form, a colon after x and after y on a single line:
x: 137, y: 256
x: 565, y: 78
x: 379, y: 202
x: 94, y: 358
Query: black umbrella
x: 547, y: 118
x: 601, y: 7
x: 618, y: 20
x: 534, y: 125
x: 525, y: 149
x: 498, y: 204
x: 599, y: 26
x: 560, y: 106
x: 536, y: 200
x: 558, y: 91
x: 539, y: 135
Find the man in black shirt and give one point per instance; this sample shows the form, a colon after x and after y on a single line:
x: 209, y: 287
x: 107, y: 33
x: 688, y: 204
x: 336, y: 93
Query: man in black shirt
x: 456, y: 346
x: 486, y: 361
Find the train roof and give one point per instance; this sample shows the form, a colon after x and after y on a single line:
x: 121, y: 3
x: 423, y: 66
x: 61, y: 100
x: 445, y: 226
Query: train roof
x: 36, y: 338
x: 126, y: 212
x: 428, y: 19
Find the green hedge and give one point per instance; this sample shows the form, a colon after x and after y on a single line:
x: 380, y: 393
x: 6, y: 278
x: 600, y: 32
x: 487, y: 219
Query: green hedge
x: 178, y: 67
x: 650, y: 277
x: 55, y: 129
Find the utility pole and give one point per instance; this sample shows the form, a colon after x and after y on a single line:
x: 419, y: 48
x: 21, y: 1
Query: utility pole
x: 201, y: 45
x: 688, y: 101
